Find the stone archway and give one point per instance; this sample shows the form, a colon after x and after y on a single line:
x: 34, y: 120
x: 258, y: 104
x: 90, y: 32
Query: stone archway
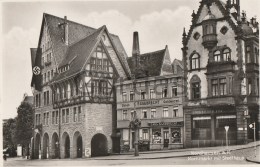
x: 77, y: 145
x: 55, y: 145
x: 45, y: 146
x: 37, y: 146
x: 65, y: 144
x: 99, y: 145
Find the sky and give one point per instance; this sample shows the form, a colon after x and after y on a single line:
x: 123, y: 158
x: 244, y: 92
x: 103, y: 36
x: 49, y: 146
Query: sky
x: 159, y: 23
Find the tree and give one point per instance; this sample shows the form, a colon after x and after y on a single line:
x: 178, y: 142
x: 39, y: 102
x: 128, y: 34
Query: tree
x: 24, y: 125
x: 9, y: 129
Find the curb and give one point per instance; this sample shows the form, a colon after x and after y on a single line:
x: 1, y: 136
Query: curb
x: 253, y: 161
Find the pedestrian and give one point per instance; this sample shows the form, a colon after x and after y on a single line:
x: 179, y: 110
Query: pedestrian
x: 5, y: 157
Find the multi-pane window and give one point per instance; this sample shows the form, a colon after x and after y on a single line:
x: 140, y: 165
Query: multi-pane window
x: 68, y: 91
x: 223, y: 86
x: 248, y: 54
x: 153, y: 113
x: 124, y: 114
x: 145, y: 134
x: 165, y: 112
x: 79, y: 113
x: 47, y: 118
x: 132, y: 95
x: 175, y: 112
x: 132, y: 115
x: 164, y: 92
x: 75, y: 114
x: 257, y: 86
x: 57, y: 117
x: 195, y: 61
x: 99, y: 60
x: 226, y: 55
x: 195, y: 90
x: 143, y: 93
x: 48, y: 76
x: 174, y: 91
x: 217, y: 56
x: 81, y: 88
x: 63, y: 115
x: 53, y: 117
x: 256, y: 56
x: 214, y: 87
x: 44, y: 118
x: 67, y: 115
x: 152, y: 94
x: 249, y: 86
x: 38, y: 100
x: 124, y: 96
x: 144, y: 112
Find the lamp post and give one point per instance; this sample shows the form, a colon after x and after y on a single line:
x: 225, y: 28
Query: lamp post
x: 226, y: 128
x: 252, y: 126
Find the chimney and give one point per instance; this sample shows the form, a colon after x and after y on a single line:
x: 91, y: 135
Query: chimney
x: 238, y: 10
x: 66, y: 31
x: 136, y: 50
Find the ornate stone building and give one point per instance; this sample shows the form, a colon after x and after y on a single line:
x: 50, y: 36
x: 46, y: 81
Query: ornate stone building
x: 221, y: 74
x: 155, y: 93
x: 75, y: 68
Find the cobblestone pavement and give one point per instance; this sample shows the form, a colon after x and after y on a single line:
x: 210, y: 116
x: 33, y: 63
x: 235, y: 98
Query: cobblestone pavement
x: 236, y: 157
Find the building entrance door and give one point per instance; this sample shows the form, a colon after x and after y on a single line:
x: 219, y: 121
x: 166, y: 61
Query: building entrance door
x: 166, y: 139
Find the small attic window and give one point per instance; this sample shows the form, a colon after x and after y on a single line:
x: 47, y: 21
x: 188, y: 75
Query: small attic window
x: 224, y: 30
x: 103, y: 37
x: 196, y: 36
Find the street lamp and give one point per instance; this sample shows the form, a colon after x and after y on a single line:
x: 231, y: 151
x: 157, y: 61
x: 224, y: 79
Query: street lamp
x: 252, y: 126
x: 226, y: 128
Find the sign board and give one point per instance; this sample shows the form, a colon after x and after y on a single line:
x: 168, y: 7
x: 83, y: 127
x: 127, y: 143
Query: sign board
x: 88, y: 152
x: 173, y: 124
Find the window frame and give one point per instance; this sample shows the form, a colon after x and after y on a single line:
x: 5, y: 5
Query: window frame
x: 195, y: 60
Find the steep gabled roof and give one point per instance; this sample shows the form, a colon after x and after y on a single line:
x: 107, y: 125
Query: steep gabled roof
x: 152, y: 63
x: 76, y: 33
x: 78, y: 53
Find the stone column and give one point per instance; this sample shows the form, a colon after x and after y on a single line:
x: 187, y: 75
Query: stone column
x: 162, y: 138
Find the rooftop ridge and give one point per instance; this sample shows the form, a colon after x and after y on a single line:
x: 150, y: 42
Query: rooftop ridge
x: 144, y: 54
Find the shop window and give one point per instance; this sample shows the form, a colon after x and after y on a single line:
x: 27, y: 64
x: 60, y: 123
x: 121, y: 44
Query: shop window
x: 143, y: 93
x: 145, y: 134
x: 201, y: 128
x: 156, y: 136
x: 195, y: 61
x: 124, y: 96
x: 165, y: 112
x: 175, y: 112
x: 226, y: 55
x: 152, y: 94
x: 214, y: 87
x: 124, y: 114
x: 217, y: 56
x: 174, y: 91
x: 176, y: 135
x: 223, y: 86
x: 132, y: 95
x: 221, y: 122
x: 164, y: 92
x: 153, y: 113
